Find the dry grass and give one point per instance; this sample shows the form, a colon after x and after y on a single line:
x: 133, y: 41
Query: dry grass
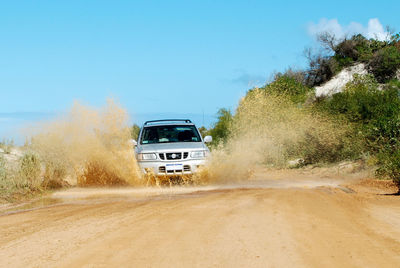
x: 20, y: 179
x: 6, y: 146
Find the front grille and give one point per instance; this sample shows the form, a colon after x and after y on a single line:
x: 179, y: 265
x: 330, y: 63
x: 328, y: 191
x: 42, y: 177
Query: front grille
x: 186, y: 168
x: 178, y: 155
x: 173, y: 156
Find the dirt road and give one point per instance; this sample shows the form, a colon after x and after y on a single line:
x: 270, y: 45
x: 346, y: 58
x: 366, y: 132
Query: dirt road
x: 271, y: 221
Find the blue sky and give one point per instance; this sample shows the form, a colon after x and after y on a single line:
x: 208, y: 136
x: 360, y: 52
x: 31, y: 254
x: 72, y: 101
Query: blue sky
x: 157, y: 57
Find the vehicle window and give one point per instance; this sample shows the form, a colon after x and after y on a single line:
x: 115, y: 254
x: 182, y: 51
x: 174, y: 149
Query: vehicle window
x: 171, y: 133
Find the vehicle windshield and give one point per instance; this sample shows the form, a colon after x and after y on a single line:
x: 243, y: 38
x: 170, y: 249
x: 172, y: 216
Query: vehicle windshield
x: 170, y: 133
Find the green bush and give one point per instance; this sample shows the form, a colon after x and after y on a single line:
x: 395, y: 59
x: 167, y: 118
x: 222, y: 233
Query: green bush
x: 357, y: 102
x: 285, y: 85
x: 385, y: 63
x: 375, y: 114
x: 314, y: 148
x: 389, y: 163
x: 356, y: 49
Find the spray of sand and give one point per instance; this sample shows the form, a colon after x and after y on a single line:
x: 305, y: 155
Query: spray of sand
x: 268, y: 130
x: 88, y: 146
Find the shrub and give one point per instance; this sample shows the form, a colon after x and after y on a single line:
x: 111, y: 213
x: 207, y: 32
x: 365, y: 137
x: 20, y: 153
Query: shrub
x: 30, y: 171
x: 3, y: 171
x: 54, y: 174
x: 7, y: 145
x: 6, y: 179
x: 375, y: 115
x: 299, y: 76
x: 389, y: 163
x: 347, y: 49
x: 357, y: 102
x: 319, y: 146
x: 385, y: 63
x: 286, y: 85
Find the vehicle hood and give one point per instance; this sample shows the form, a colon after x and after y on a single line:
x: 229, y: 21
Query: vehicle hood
x: 173, y: 146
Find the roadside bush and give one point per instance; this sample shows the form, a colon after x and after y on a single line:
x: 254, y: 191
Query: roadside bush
x: 319, y: 146
x: 7, y: 182
x: 6, y: 145
x: 54, y: 174
x: 276, y: 129
x: 357, y: 102
x: 30, y: 171
x: 389, y: 163
x: 3, y: 171
x: 285, y: 85
x: 375, y: 115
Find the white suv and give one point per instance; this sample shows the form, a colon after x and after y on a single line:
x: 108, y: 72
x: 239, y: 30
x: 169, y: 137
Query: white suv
x: 172, y: 147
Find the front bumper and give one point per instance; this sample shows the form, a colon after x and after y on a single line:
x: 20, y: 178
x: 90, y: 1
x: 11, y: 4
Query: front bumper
x: 171, y: 168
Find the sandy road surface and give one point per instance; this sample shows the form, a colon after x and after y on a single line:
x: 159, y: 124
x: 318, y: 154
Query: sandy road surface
x: 281, y: 222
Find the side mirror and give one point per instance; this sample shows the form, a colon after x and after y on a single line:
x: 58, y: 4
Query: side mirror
x: 134, y: 143
x: 207, y: 139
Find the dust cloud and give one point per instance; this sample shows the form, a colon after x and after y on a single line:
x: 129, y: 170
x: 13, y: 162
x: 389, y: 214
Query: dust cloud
x: 87, y: 146
x: 269, y: 130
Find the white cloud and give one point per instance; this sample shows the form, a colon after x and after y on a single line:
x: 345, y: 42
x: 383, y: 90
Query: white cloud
x: 374, y: 29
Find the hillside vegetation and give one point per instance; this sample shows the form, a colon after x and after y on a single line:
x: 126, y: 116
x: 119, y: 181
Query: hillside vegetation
x: 362, y: 122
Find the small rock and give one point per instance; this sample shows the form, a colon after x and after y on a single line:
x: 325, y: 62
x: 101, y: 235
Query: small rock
x: 295, y: 162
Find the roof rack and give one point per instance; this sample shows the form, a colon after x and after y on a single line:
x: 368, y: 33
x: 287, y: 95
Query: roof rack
x: 168, y: 120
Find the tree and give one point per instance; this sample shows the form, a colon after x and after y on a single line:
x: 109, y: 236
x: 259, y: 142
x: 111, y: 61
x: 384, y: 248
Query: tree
x: 135, y: 132
x: 203, y: 131
x: 221, y: 129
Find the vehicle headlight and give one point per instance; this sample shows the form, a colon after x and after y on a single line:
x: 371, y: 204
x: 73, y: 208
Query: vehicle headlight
x: 198, y: 154
x: 145, y: 157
